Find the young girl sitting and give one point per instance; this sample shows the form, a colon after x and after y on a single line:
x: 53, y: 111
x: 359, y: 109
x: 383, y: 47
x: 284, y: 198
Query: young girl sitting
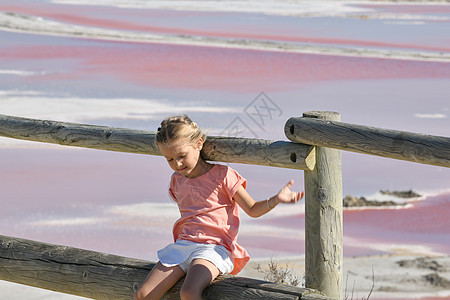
x: 208, y: 196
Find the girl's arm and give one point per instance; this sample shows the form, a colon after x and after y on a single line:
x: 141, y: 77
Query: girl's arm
x: 258, y: 208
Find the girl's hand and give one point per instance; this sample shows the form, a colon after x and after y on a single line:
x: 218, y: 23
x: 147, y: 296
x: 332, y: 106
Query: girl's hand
x: 286, y: 195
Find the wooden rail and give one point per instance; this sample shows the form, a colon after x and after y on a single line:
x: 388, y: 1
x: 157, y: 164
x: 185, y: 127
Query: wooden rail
x: 420, y: 148
x: 104, y: 276
x: 226, y: 149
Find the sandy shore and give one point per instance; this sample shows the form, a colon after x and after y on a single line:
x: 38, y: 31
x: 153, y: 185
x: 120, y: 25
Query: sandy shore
x: 13, y: 291
x: 400, y: 276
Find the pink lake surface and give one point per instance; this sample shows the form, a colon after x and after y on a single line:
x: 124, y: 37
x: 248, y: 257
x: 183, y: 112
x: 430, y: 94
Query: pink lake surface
x: 104, y: 201
x: 189, y: 67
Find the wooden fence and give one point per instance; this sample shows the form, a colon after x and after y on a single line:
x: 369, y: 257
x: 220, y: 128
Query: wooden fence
x: 322, y: 134
x: 110, y: 277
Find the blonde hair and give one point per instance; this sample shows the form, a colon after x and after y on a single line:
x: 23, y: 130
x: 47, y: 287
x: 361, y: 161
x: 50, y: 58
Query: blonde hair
x: 178, y: 127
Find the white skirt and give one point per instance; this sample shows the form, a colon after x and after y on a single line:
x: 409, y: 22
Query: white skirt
x: 182, y: 253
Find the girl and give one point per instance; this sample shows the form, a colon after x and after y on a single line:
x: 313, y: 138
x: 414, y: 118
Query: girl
x: 208, y: 196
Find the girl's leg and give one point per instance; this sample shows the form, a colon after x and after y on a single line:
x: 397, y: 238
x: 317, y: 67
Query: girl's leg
x: 199, y: 275
x: 158, y: 282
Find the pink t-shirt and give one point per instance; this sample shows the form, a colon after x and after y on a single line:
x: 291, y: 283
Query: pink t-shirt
x: 209, y: 214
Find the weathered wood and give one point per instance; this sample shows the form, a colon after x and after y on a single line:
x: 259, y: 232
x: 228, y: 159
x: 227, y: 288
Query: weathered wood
x: 104, y: 276
x: 70, y: 270
x: 260, y: 152
x: 323, y: 219
x: 225, y: 149
x: 420, y: 148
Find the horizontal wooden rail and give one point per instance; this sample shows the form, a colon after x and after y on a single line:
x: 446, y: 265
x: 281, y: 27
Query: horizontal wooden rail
x: 420, y: 148
x: 226, y: 149
x: 104, y: 276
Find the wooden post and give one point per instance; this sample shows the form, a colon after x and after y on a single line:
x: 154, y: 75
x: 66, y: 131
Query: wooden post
x: 323, y: 217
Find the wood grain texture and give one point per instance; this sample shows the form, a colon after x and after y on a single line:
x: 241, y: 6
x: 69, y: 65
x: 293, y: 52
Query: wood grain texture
x: 323, y: 219
x: 70, y: 270
x: 260, y: 152
x: 414, y: 147
x: 104, y: 276
x: 226, y: 149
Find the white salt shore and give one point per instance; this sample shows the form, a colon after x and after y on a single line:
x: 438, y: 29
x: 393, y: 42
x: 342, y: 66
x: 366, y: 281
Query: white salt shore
x: 14, y: 291
x: 402, y: 275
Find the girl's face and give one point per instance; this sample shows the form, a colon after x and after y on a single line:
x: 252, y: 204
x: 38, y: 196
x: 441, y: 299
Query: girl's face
x: 183, y: 157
